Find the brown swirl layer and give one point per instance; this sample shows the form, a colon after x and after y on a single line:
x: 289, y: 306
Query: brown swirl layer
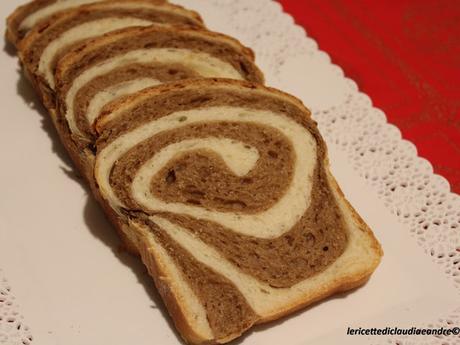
x: 227, y: 310
x: 162, y: 73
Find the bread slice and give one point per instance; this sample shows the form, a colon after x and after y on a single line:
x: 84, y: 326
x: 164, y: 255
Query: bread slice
x: 133, y: 59
x: 25, y: 17
x: 224, y: 188
x: 47, y: 42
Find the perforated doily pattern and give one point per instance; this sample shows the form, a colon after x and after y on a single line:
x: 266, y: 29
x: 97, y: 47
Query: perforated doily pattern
x: 13, y: 331
x: 390, y: 165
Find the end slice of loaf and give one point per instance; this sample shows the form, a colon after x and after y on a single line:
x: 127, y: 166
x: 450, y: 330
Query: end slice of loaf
x: 25, y: 17
x: 46, y: 43
x: 225, y: 190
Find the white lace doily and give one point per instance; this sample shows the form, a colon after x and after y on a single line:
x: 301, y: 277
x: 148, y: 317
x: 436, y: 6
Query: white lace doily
x: 12, y: 328
x: 405, y: 182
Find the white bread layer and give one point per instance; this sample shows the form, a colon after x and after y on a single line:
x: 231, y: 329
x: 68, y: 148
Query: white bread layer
x: 48, y: 11
x: 116, y: 91
x: 79, y: 33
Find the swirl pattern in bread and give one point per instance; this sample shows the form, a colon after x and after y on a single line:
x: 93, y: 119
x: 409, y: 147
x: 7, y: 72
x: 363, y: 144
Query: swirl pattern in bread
x: 227, y: 190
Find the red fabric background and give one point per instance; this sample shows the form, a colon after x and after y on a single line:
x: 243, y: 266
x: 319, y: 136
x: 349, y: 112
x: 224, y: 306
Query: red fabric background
x: 405, y: 55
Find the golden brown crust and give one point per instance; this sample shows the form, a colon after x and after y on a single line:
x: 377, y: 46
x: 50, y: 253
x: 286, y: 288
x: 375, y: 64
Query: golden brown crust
x: 14, y: 20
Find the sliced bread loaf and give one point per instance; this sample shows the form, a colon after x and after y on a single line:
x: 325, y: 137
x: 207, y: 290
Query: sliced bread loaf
x: 222, y: 186
x: 225, y: 190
